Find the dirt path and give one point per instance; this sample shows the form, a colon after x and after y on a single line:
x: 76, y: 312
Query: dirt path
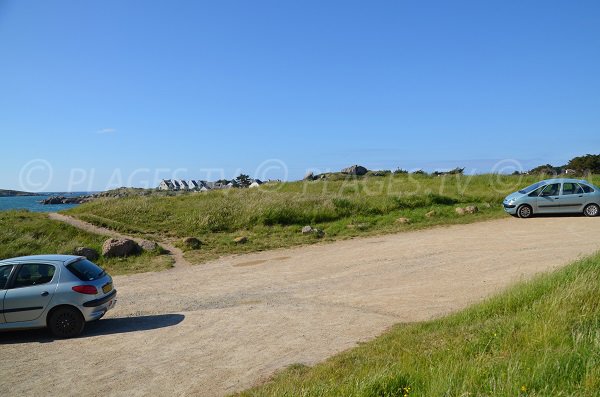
x: 178, y: 260
x: 213, y: 329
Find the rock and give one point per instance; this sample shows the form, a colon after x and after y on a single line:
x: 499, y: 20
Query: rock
x: 430, y: 214
x: 471, y: 209
x: 307, y: 229
x: 119, y: 247
x: 89, y: 253
x: 312, y: 230
x: 310, y: 176
x: 318, y: 232
x: 240, y: 240
x: 148, y: 245
x: 403, y: 220
x: 192, y: 242
x: 460, y: 211
x: 355, y: 170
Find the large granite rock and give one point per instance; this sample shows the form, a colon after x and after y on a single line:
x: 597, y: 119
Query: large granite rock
x: 355, y: 170
x: 90, y: 253
x: 119, y: 247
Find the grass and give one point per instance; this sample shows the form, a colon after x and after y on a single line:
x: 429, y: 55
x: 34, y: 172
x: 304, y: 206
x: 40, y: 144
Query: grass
x: 538, y: 338
x: 29, y: 233
x: 272, y: 216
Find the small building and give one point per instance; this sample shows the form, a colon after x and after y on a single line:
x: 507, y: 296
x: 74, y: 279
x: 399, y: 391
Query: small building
x: 255, y: 183
x: 166, y: 184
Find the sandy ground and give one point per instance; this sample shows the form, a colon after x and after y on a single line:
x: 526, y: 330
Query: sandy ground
x: 216, y: 328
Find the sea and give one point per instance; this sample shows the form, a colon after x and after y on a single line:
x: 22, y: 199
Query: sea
x: 31, y: 203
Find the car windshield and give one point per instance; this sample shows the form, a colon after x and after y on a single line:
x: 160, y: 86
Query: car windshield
x: 86, y: 270
x: 531, y: 188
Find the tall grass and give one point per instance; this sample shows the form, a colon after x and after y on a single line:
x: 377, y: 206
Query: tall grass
x: 539, y: 338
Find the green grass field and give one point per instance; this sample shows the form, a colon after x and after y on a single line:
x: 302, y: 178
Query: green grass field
x: 272, y: 216
x: 30, y: 233
x: 539, y: 338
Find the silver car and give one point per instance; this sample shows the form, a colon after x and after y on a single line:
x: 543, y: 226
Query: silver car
x: 61, y: 292
x: 554, y: 196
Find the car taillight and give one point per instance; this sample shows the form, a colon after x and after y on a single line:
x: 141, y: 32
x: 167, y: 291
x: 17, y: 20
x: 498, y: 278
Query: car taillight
x: 85, y: 289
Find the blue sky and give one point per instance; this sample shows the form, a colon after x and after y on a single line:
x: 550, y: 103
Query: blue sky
x: 96, y: 90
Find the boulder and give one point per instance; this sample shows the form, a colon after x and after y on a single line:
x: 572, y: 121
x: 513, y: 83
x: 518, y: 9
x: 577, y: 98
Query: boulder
x: 89, y: 253
x: 355, y: 170
x: 148, y: 245
x: 119, y: 247
x: 192, y: 243
x: 471, y: 209
x: 318, y: 232
x: 240, y: 240
x: 307, y: 230
x: 460, y: 211
x: 430, y: 214
x: 403, y: 220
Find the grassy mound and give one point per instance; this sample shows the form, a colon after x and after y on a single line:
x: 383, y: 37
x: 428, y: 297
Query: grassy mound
x: 539, y: 338
x: 28, y: 233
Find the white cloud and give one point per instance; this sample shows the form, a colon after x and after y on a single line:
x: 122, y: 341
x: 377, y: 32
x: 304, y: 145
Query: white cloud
x: 107, y: 131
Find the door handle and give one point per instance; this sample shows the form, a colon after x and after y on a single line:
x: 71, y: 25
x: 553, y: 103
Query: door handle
x: 45, y: 293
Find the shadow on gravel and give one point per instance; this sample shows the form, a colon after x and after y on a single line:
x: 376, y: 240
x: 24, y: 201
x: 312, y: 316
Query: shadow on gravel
x: 107, y: 326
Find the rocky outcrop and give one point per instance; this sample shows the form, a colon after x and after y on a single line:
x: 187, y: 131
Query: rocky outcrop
x: 471, y: 209
x: 119, y: 247
x: 66, y: 200
x: 148, y: 245
x: 90, y: 253
x: 355, y: 170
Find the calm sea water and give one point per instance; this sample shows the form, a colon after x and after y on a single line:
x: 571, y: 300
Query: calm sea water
x: 31, y: 202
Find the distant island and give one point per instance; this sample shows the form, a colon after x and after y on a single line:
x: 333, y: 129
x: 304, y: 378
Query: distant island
x: 13, y: 193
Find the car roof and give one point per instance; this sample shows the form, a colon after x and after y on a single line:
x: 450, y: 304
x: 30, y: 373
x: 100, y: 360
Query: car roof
x: 567, y: 180
x: 58, y: 259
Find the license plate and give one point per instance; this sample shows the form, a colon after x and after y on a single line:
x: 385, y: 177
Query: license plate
x: 107, y: 288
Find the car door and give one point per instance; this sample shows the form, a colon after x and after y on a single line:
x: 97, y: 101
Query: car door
x: 571, y: 198
x: 549, y: 199
x: 5, y: 271
x: 29, y: 292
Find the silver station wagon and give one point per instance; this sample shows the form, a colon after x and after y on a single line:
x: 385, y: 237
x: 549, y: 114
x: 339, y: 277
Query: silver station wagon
x: 61, y: 292
x: 554, y: 196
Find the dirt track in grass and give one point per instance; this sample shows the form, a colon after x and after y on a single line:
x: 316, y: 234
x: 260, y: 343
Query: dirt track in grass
x: 213, y: 329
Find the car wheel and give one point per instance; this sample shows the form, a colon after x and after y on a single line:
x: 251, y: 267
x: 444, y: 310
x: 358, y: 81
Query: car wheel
x: 591, y: 210
x: 525, y: 212
x: 66, y: 322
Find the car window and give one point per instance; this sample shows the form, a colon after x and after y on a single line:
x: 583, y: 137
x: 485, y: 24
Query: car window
x: 531, y: 188
x: 4, y: 273
x: 86, y: 270
x: 586, y: 188
x: 536, y: 192
x: 551, y: 190
x: 571, y: 188
x: 34, y: 274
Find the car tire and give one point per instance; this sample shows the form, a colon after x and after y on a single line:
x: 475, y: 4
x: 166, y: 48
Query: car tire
x: 524, y: 211
x: 65, y: 322
x: 591, y: 210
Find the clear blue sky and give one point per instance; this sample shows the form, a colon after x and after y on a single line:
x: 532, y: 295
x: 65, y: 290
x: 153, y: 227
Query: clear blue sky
x: 108, y: 87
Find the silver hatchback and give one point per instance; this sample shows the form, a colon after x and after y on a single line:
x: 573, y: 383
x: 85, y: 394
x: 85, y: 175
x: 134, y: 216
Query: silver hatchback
x: 61, y: 292
x: 554, y: 196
